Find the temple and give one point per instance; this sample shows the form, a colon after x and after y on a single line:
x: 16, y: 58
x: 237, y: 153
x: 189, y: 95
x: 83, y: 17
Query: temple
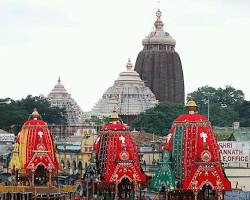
x: 118, y: 160
x: 61, y: 98
x: 34, y: 159
x: 159, y: 65
x: 128, y: 94
x: 194, y: 159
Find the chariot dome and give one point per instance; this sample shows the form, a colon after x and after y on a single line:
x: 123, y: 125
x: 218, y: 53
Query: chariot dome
x: 34, y: 157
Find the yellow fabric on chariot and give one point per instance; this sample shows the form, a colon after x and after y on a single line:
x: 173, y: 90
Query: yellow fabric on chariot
x: 15, y: 162
x: 18, y: 158
x: 23, y: 146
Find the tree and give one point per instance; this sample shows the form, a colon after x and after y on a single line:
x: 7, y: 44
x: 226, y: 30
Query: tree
x: 158, y: 119
x: 223, y: 104
x: 201, y: 96
x: 229, y: 97
x: 151, y: 122
x: 97, y: 121
x: 244, y: 113
x: 52, y: 115
x: 15, y: 113
x: 222, y: 116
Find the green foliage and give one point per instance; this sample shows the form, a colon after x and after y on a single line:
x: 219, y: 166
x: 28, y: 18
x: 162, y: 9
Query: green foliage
x: 201, y: 96
x: 14, y: 113
x: 228, y: 97
x: 244, y: 113
x: 97, y: 121
x: 222, y: 116
x: 225, y: 105
x: 158, y: 119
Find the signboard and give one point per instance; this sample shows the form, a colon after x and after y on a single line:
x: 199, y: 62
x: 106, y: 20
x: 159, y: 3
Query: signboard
x: 146, y: 149
x: 234, y: 152
x: 86, y: 131
x: 7, y: 137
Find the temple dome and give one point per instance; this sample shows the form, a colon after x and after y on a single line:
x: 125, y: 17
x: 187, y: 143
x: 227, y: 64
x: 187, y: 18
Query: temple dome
x: 158, y: 35
x: 128, y: 94
x: 61, y: 98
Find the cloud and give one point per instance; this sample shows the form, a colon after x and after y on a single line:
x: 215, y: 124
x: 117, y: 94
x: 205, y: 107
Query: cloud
x: 27, y: 15
x: 18, y: 19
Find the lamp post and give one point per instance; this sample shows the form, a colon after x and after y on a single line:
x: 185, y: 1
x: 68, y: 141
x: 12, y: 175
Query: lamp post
x: 87, y: 179
x: 208, y: 107
x: 64, y: 148
x: 208, y: 95
x: 5, y: 165
x: 116, y: 189
x: 167, y: 192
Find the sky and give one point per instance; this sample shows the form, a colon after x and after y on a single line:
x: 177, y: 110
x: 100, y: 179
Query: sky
x: 88, y: 43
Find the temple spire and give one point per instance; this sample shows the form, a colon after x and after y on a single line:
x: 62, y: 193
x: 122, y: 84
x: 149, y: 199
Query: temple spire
x: 129, y: 65
x: 158, y: 23
x: 159, y: 4
x: 59, y: 80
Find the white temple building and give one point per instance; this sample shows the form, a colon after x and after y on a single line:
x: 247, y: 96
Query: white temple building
x: 129, y: 96
x: 61, y: 98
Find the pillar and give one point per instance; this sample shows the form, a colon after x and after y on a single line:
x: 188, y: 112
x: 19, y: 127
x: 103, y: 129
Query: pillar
x: 166, y: 195
x: 220, y: 195
x: 116, y: 188
x: 33, y: 178
x: 132, y: 196
x: 93, y: 189
x: 87, y: 190
x: 50, y: 183
x: 195, y: 195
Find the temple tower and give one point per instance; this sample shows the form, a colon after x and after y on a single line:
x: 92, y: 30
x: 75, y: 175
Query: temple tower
x: 159, y: 65
x: 61, y: 98
x: 128, y: 94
